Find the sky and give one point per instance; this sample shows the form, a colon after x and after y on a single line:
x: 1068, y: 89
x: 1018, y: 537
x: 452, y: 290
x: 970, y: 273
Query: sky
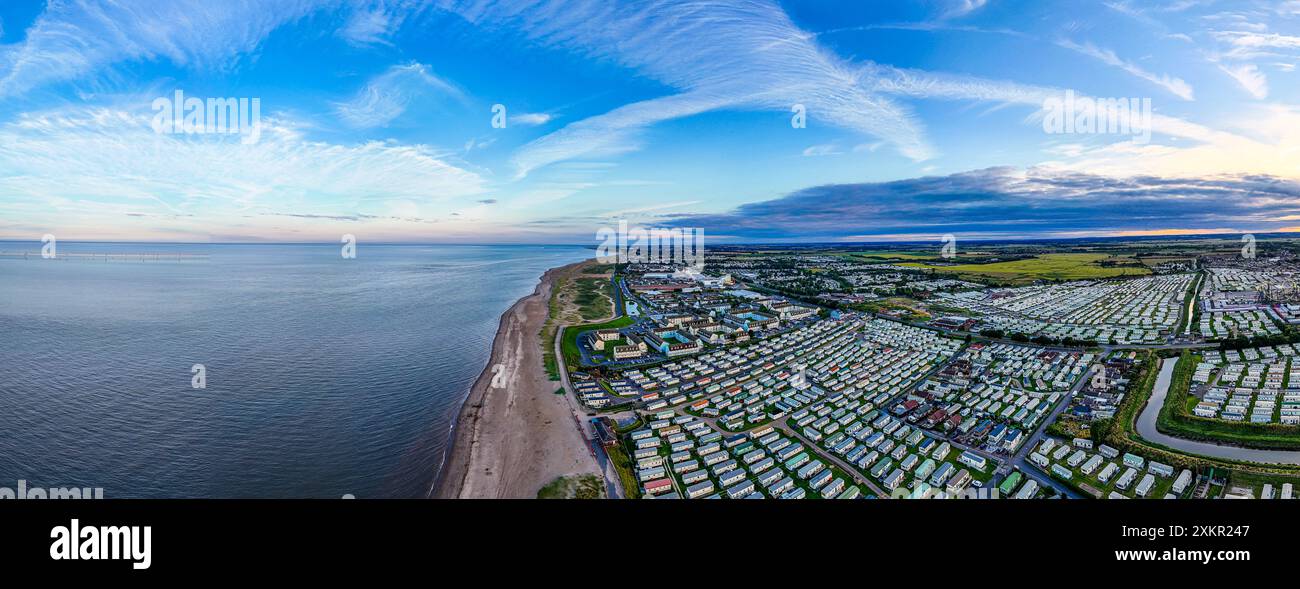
x: 535, y: 121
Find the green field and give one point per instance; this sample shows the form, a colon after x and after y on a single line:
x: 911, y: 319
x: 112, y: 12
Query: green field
x: 1045, y: 266
x: 622, y: 464
x: 1256, y: 481
x: 569, y: 345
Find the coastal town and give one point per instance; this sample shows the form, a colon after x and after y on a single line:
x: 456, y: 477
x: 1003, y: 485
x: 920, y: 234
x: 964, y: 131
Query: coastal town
x: 1003, y: 374
x: 286, y: 280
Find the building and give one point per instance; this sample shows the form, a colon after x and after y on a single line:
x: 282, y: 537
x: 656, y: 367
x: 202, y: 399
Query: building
x: 600, y: 337
x: 973, y: 460
x: 1144, y: 487
x: 672, y: 342
x: 634, y: 349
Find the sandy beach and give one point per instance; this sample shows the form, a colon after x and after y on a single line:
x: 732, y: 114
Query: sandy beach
x: 514, y: 434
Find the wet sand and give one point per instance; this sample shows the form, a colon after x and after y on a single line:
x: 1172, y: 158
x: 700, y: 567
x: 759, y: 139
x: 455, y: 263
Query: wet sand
x: 514, y: 434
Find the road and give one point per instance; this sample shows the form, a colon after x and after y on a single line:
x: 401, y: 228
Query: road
x: 1197, y: 282
x: 1030, y: 469
x: 1146, y: 427
x: 617, y: 287
x: 1004, y: 463
x: 812, y: 447
x: 613, y: 484
x: 850, y: 469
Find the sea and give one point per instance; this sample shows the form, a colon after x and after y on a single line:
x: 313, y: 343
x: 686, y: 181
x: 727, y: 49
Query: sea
x: 246, y: 371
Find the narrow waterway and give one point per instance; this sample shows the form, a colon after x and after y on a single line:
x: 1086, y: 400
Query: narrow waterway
x: 1146, y: 427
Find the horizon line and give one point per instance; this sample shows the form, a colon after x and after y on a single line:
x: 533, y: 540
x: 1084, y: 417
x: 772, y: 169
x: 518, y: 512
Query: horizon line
x: 994, y: 240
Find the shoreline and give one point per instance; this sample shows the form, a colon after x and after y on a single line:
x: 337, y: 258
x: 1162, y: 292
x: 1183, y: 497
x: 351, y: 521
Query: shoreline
x: 507, y: 438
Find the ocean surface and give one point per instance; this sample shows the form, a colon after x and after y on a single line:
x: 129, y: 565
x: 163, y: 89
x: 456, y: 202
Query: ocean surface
x: 324, y: 376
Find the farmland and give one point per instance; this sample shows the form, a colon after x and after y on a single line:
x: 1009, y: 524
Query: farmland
x: 1065, y: 266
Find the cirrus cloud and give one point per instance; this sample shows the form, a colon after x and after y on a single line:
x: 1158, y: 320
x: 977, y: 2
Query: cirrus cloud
x: 65, y: 164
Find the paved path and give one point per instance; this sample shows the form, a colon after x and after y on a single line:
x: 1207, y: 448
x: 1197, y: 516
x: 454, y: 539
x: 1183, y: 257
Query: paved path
x: 618, y: 294
x: 1146, y: 427
x: 613, y: 484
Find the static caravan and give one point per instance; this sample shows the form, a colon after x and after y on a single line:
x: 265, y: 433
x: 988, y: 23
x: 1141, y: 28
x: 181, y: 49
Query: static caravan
x: 1144, y: 487
x: 1062, y: 472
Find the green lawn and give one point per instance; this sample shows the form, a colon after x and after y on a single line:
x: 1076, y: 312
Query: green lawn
x: 569, y: 345
x: 626, y: 470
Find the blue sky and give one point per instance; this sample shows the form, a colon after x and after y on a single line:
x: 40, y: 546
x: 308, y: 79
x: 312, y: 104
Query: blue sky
x: 922, y: 118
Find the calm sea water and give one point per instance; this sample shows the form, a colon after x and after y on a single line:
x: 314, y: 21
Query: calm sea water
x: 325, y: 376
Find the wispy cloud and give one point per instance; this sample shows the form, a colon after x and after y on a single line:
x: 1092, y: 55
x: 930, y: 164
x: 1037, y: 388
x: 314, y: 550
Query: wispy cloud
x: 61, y: 161
x: 72, y: 40
x: 1268, y: 139
x: 960, y: 8
x: 1175, y: 86
x: 373, y: 22
x: 1249, y: 78
x: 531, y: 119
x: 650, y: 208
x: 1251, y: 45
x: 820, y: 150
x: 731, y: 54
x: 386, y: 96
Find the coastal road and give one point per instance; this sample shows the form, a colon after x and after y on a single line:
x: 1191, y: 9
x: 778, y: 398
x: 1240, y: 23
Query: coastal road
x: 613, y: 484
x: 1146, y: 427
x: 617, y: 288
